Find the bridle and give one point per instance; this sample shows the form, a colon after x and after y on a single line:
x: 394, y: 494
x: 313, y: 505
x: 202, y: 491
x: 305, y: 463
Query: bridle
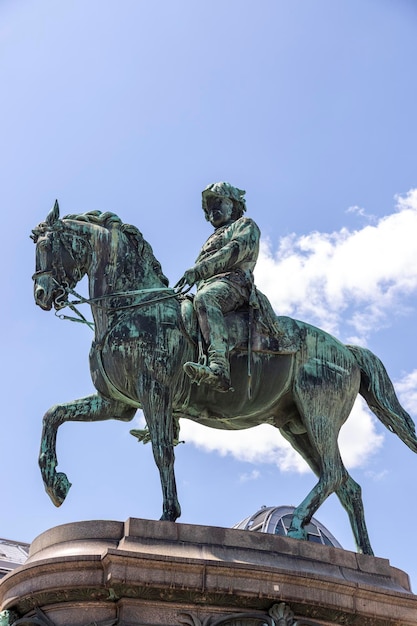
x: 59, y: 277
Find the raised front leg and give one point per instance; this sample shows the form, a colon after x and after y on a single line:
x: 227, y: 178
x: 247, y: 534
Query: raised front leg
x: 89, y: 409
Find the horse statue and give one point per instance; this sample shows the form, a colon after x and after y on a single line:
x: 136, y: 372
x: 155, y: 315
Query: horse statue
x: 303, y: 381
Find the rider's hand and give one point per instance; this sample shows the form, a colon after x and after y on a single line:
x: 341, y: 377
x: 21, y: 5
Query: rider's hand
x: 189, y: 278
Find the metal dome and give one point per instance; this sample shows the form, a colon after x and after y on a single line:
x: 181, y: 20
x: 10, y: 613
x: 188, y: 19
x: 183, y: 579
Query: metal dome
x: 276, y: 520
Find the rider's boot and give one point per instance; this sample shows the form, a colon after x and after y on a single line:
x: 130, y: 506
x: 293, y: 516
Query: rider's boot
x: 217, y: 373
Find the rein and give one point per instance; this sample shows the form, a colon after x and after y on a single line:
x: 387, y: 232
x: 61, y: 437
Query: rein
x: 138, y: 292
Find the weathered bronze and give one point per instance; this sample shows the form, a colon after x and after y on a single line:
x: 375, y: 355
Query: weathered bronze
x: 223, y: 272
x: 301, y: 379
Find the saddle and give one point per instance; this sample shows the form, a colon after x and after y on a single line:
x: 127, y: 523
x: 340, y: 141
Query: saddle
x: 254, y: 327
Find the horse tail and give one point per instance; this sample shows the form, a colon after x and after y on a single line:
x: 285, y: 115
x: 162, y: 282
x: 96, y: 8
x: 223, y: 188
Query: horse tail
x: 378, y: 391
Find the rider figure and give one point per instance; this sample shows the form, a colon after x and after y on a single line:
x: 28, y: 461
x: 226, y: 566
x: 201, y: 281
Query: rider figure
x: 223, y: 273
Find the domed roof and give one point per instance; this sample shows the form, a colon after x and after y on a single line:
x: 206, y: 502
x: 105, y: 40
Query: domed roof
x: 276, y: 520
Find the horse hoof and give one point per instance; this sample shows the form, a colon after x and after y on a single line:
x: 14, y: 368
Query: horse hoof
x: 297, y: 534
x: 171, y: 514
x: 59, y: 490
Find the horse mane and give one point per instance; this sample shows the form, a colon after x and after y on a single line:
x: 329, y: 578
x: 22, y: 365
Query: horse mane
x: 111, y: 220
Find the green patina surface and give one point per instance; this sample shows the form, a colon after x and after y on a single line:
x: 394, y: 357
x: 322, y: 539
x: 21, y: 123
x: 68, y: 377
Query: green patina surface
x: 223, y: 359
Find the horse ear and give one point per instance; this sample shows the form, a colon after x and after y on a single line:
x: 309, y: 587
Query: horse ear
x: 53, y: 215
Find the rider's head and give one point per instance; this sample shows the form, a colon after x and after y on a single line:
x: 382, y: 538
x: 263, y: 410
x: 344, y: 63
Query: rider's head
x: 225, y: 190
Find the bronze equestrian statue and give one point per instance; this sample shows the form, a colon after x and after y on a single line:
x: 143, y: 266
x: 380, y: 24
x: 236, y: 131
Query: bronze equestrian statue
x: 299, y: 379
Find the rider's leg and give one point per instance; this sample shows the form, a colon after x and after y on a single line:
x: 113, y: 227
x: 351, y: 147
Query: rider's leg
x: 211, y: 302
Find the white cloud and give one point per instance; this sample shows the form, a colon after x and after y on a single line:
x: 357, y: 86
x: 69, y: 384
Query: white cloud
x: 263, y: 444
x: 359, y: 439
x: 407, y: 391
x: 253, y: 475
x: 376, y: 476
x: 355, y: 277
x: 361, y: 212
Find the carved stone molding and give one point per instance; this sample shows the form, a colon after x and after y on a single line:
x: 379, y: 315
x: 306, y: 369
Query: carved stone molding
x: 143, y: 572
x: 279, y: 614
x: 9, y: 618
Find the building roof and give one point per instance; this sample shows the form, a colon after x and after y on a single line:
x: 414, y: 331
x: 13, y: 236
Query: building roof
x: 12, y: 554
x: 276, y: 520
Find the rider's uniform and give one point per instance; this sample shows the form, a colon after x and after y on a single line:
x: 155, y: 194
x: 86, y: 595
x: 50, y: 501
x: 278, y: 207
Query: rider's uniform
x: 224, y: 272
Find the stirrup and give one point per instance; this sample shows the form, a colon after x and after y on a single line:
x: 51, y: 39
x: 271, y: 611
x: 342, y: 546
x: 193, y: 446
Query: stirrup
x: 204, y: 374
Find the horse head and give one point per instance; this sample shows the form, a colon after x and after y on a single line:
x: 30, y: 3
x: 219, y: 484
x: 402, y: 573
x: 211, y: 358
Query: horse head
x: 60, y: 260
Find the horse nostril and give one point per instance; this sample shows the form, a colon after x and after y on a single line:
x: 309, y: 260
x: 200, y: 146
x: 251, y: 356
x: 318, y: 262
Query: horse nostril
x: 39, y: 293
x: 40, y: 298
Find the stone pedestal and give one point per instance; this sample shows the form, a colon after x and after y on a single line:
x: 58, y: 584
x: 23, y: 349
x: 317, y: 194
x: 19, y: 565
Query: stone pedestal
x: 104, y: 573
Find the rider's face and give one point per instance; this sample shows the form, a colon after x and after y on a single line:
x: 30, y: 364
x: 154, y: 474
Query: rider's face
x: 219, y: 211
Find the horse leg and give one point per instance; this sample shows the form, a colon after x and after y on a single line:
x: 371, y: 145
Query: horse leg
x: 157, y: 409
x: 324, y: 394
x: 331, y: 477
x: 89, y: 409
x: 349, y: 493
x: 324, y: 459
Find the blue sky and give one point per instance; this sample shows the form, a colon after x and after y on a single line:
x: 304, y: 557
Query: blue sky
x: 134, y: 107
